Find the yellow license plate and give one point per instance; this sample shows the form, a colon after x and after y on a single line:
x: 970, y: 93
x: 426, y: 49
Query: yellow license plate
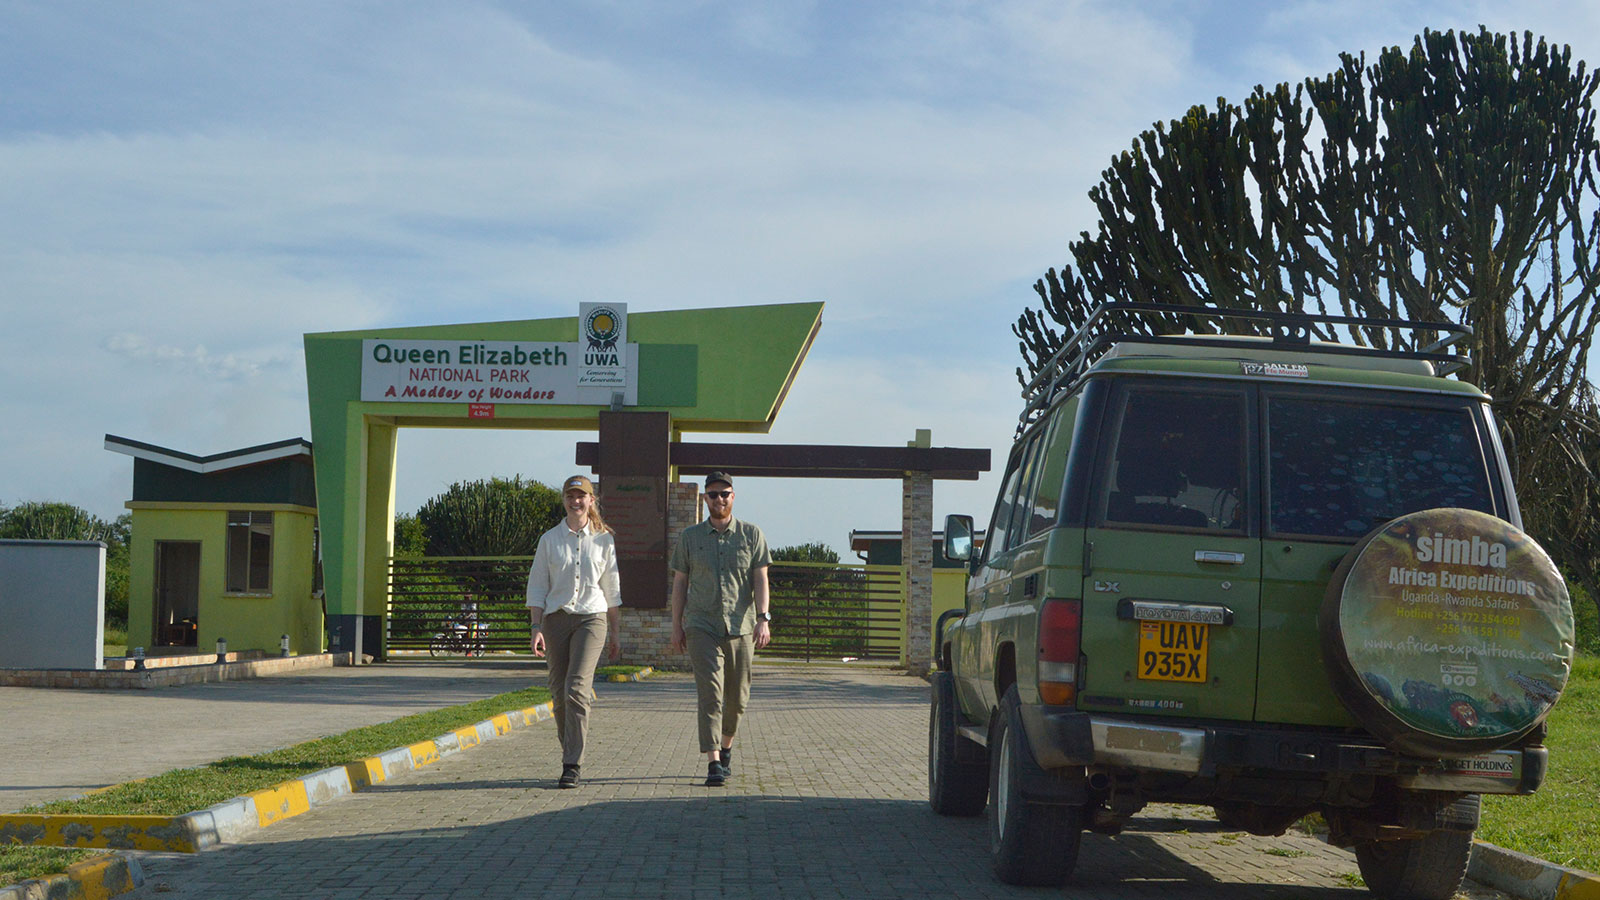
x: 1173, y: 651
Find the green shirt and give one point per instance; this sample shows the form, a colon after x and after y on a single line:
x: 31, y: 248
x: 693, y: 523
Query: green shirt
x: 720, y: 565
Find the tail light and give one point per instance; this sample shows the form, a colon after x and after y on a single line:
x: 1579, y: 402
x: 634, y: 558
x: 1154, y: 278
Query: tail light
x: 1060, y: 633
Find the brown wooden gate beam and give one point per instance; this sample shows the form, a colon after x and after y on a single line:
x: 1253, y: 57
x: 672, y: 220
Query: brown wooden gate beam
x: 814, y: 460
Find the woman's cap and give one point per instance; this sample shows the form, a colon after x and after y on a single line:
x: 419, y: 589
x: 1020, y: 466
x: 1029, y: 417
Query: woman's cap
x: 579, y: 483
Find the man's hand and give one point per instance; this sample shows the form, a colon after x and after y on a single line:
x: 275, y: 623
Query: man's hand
x: 537, y: 644
x: 680, y: 641
x: 763, y: 634
x: 614, y: 646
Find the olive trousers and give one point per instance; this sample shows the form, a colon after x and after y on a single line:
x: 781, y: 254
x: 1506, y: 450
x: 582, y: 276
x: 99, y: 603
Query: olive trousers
x: 573, y: 644
x: 722, y: 679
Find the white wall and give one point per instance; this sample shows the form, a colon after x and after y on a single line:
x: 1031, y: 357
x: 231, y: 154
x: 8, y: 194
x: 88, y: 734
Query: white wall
x: 52, y: 604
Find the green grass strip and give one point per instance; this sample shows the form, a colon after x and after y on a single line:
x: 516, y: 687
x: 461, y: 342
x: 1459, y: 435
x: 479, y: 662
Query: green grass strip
x: 1558, y: 823
x: 187, y: 790
x: 21, y: 863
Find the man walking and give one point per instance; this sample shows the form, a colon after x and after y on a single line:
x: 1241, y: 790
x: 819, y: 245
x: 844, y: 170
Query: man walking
x: 720, y: 615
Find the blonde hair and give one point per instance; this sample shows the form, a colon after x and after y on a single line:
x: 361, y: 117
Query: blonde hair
x: 598, y: 523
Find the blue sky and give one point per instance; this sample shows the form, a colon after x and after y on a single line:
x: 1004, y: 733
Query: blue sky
x: 190, y: 187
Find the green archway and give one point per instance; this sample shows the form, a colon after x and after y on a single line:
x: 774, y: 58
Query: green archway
x: 709, y: 370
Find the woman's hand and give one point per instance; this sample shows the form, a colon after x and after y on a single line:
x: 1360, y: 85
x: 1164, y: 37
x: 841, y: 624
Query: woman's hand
x: 537, y: 644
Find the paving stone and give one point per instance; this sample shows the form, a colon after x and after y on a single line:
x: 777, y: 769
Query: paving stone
x: 828, y: 801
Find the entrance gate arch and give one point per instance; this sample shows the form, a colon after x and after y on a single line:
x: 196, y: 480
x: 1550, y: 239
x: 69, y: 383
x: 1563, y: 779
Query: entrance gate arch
x: 640, y: 380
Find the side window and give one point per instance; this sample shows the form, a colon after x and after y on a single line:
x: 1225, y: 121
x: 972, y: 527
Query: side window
x: 1178, y: 462
x: 1339, y: 469
x: 1052, y: 468
x: 249, y: 551
x: 1005, y: 506
x: 1017, y: 531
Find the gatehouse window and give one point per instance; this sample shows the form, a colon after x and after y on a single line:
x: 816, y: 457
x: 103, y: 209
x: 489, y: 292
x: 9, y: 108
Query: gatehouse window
x: 249, y: 552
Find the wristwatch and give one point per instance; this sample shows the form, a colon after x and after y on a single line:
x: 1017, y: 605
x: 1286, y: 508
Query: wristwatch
x: 763, y: 617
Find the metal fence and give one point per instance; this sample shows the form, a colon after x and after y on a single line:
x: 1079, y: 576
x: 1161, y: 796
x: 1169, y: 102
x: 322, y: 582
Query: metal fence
x: 836, y: 611
x: 458, y: 605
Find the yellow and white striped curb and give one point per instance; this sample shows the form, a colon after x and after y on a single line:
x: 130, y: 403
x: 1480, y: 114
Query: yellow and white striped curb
x: 1527, y: 877
x: 92, y: 879
x: 640, y: 675
x: 233, y: 819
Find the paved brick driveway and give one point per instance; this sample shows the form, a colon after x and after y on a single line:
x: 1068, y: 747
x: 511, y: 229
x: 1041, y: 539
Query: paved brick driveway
x: 827, y: 801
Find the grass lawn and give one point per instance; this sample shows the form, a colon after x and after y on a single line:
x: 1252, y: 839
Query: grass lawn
x: 1559, y: 823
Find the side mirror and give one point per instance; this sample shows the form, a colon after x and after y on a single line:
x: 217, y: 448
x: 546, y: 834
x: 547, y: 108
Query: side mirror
x: 958, y: 537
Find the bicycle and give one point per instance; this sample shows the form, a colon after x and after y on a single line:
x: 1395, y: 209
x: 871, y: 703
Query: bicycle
x: 463, y: 636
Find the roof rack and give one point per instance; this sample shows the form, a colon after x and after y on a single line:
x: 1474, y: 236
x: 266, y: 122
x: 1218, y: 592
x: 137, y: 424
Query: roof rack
x: 1111, y: 323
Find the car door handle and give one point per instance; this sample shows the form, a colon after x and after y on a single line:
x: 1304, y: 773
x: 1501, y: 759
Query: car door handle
x: 1219, y: 557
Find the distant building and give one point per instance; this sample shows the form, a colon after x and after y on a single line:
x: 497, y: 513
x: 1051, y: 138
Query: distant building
x: 223, y: 546
x: 882, y: 548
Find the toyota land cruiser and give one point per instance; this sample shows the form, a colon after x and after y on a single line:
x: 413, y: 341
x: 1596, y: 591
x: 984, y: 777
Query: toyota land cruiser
x: 1265, y: 573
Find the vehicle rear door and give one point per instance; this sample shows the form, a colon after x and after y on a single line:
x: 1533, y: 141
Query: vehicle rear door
x: 1172, y: 553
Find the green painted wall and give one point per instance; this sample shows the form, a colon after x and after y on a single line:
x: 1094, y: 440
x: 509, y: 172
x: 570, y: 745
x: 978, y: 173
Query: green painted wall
x: 253, y: 621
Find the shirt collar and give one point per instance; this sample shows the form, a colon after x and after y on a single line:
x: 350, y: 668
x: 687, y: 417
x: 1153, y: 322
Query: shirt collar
x: 731, y: 522
x: 588, y: 527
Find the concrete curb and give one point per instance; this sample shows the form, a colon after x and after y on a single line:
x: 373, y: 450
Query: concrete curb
x: 1527, y: 877
x: 234, y: 669
x: 102, y: 876
x: 228, y: 821
x: 640, y: 675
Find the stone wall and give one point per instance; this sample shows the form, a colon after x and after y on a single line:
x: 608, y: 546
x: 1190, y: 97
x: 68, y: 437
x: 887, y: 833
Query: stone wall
x: 647, y: 633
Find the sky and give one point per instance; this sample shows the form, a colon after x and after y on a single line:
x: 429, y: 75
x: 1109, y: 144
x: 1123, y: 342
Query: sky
x: 189, y: 187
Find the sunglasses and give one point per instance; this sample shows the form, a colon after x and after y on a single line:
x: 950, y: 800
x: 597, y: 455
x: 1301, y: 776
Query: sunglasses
x: 720, y: 495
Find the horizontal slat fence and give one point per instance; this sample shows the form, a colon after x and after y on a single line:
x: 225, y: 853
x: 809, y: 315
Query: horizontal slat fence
x: 836, y: 611
x: 429, y: 595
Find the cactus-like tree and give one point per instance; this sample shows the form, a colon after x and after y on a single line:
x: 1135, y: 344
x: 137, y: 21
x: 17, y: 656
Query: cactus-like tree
x: 1454, y: 182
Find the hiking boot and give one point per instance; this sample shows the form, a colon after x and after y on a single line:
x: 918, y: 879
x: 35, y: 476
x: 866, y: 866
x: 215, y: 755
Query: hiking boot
x: 569, y: 777
x: 716, y: 776
x: 727, y: 761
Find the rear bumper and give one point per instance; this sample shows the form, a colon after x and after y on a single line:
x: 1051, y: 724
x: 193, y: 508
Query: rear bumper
x: 1062, y: 737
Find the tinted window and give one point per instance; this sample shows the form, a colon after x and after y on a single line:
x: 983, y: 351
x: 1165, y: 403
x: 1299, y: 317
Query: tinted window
x: 1045, y: 503
x: 1178, y: 461
x: 995, y: 541
x: 1340, y: 469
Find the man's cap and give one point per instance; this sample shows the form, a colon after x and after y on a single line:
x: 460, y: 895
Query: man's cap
x: 721, y: 476
x: 578, y: 483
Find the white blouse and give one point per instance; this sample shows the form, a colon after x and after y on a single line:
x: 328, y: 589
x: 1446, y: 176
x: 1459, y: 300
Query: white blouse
x: 575, y: 571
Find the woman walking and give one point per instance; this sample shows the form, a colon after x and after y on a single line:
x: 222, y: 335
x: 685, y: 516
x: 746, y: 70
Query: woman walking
x: 574, y: 603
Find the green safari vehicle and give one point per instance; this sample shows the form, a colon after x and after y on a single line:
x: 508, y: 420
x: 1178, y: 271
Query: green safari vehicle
x: 1263, y: 572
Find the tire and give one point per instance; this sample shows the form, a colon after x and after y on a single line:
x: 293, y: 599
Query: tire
x: 439, y: 646
x: 1029, y: 843
x: 1441, y: 655
x: 1426, y: 868
x: 955, y: 788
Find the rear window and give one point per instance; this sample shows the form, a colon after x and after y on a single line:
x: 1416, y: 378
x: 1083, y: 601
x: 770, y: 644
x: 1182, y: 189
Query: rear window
x: 1178, y: 462
x: 1339, y: 469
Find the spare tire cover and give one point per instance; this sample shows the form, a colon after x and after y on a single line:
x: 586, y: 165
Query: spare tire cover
x: 1447, y: 631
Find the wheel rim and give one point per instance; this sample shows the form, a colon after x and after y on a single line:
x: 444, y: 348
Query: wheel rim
x: 1002, y: 786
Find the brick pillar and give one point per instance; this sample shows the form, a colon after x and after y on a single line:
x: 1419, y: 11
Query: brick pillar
x: 647, y: 633
x: 916, y: 554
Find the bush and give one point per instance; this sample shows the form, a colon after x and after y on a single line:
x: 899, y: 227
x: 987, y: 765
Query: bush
x: 497, y: 517
x: 1587, y: 619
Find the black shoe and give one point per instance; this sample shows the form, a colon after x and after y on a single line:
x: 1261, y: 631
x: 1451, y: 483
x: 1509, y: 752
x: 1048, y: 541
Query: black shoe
x: 716, y: 776
x: 569, y: 777
x: 727, y: 762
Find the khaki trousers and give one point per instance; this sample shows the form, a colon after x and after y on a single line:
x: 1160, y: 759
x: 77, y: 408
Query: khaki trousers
x: 722, y: 679
x: 573, y: 644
